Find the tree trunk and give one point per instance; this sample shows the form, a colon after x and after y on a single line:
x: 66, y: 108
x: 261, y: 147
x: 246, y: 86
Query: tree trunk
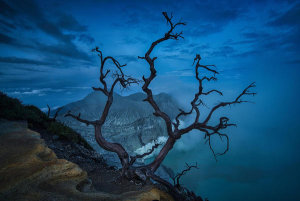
x: 162, y: 154
x: 113, y: 147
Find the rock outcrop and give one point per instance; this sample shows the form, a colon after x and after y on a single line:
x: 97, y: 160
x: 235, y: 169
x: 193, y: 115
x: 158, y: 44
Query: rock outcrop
x: 130, y: 121
x: 29, y: 170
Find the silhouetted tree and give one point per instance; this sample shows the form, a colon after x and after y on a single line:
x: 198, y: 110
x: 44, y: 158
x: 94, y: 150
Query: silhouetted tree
x: 55, y: 115
x: 144, y: 172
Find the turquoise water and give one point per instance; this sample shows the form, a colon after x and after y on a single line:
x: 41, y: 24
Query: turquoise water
x: 253, y: 169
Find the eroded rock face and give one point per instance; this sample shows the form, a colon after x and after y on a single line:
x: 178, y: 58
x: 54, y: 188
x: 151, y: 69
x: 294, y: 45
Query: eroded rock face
x: 29, y: 170
x: 130, y: 121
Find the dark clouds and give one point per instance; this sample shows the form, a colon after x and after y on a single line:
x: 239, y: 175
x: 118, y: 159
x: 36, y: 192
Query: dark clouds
x: 7, y: 26
x: 16, y: 60
x: 223, y: 51
x: 281, y: 32
x: 6, y: 10
x: 290, y: 21
x: 29, y: 14
x: 6, y: 39
x: 289, y: 18
x: 36, y: 43
x: 86, y: 38
x: 68, y: 22
x: 204, y: 17
x: 212, y: 17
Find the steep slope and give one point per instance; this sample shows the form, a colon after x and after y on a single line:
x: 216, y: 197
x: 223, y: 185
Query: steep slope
x: 31, y: 171
x: 130, y: 121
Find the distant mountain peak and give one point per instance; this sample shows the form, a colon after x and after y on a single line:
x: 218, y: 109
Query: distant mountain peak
x: 130, y: 121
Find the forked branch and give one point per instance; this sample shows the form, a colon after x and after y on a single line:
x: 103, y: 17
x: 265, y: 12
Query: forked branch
x: 55, y: 115
x: 118, y: 75
x: 176, y: 178
x: 78, y: 118
x: 236, y: 101
x: 133, y: 158
x: 169, y: 35
x: 174, y: 132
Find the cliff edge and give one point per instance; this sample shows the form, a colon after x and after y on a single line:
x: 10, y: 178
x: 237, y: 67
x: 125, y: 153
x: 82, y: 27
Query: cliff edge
x: 31, y: 171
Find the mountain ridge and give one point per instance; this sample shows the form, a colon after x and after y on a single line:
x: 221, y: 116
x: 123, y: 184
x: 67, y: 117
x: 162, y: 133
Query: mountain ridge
x: 130, y: 121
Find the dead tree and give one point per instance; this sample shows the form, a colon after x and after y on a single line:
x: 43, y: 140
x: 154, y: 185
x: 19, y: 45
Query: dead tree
x: 129, y: 170
x: 55, y: 115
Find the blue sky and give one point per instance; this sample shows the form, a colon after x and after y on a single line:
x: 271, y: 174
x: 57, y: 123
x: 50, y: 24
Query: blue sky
x: 46, y: 58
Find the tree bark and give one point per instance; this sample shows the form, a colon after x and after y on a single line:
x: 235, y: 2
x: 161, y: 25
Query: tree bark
x: 113, y: 147
x: 162, y: 154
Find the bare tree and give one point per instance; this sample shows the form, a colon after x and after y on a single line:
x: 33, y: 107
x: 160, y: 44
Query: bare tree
x: 55, y: 115
x: 129, y: 170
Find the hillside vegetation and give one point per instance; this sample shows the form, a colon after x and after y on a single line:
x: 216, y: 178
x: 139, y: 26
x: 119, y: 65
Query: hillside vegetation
x: 13, y: 109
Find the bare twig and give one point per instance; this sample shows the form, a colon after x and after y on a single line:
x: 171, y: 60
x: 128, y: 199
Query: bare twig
x: 176, y: 178
x: 236, y: 101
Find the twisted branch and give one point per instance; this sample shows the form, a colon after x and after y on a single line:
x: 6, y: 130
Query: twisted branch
x: 176, y: 178
x: 119, y: 76
x: 133, y: 158
x: 176, y: 133
x: 150, y: 61
x: 236, y: 101
x: 78, y: 118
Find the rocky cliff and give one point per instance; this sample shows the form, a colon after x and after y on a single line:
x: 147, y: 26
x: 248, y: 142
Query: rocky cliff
x: 130, y: 121
x: 31, y: 171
